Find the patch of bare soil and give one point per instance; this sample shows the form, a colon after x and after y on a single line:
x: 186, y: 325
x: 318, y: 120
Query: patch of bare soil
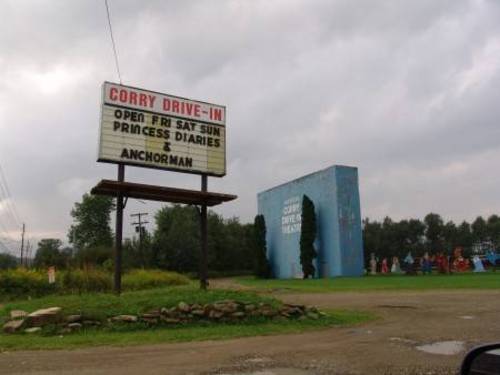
x: 386, y: 346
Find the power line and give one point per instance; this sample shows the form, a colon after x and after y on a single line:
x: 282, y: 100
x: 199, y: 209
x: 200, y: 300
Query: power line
x: 113, y: 42
x: 5, y: 191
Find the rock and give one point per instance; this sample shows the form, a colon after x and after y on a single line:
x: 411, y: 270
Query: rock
x: 198, y: 313
x: 238, y: 315
x: 184, y: 307
x: 74, y: 326
x: 33, y: 329
x: 18, y: 314
x: 267, y: 312
x: 227, y: 308
x: 73, y: 318
x: 152, y: 315
x: 294, y: 306
x: 124, y: 318
x: 42, y: 317
x: 13, y: 326
x: 171, y: 320
x: 215, y: 314
x: 312, y: 315
x: 250, y: 307
x: 150, y: 321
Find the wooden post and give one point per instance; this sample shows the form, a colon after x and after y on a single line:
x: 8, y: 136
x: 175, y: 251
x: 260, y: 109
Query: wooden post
x: 118, y: 233
x: 204, y: 238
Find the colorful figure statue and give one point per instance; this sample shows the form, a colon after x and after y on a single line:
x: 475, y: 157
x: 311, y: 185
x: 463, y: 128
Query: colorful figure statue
x: 460, y: 264
x: 442, y: 263
x: 492, y: 258
x: 426, y: 263
x: 373, y: 264
x: 409, y: 268
x: 384, y: 266
x: 478, y: 264
x: 395, y: 268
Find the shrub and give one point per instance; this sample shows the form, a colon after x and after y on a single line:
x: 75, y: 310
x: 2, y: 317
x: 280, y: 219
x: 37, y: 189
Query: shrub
x: 145, y: 279
x: 20, y: 282
x: 86, y: 281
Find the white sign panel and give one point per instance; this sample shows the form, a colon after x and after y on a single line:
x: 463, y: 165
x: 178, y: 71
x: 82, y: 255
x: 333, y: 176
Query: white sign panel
x: 149, y: 129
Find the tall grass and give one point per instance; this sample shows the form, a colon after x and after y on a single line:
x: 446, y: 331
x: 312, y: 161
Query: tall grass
x: 29, y: 283
x: 147, y: 279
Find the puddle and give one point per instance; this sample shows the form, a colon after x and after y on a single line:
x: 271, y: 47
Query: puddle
x: 402, y: 340
x: 467, y: 317
x: 443, y: 347
x: 276, y: 371
x: 258, y: 360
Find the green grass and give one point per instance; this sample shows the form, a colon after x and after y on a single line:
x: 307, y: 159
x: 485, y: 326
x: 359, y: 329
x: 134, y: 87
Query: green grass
x: 379, y: 283
x: 93, y: 337
x: 104, y: 305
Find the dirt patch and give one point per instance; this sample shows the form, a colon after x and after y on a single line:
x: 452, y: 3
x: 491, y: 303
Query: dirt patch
x: 367, y: 349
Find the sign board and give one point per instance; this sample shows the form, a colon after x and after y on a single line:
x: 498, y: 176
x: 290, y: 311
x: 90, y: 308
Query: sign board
x: 149, y: 129
x: 51, y: 273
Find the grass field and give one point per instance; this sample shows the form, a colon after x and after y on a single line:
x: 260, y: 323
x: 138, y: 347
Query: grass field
x: 378, y: 283
x: 104, y: 305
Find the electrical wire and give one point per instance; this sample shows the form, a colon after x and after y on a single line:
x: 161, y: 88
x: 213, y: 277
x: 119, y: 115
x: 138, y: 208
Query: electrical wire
x: 113, y: 42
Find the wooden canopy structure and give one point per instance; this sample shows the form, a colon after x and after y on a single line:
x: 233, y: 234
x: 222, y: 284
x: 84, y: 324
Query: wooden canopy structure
x: 123, y: 190
x: 160, y: 193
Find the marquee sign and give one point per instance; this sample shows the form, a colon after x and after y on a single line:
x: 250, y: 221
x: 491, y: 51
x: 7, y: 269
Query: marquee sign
x: 154, y: 130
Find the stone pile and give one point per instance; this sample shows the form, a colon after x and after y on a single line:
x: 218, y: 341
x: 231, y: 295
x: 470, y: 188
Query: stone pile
x: 220, y: 311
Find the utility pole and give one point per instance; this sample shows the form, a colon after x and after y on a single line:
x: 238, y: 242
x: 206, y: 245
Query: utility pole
x: 139, y: 228
x: 22, y: 244
x: 204, y: 237
x: 28, y: 254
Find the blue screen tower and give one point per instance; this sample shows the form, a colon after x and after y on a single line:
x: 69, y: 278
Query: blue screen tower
x: 335, y: 194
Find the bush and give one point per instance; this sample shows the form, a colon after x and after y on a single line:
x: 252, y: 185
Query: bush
x: 86, y: 281
x: 146, y: 279
x: 21, y: 282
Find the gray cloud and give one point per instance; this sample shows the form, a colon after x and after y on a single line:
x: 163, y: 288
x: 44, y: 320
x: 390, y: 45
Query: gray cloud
x: 406, y: 91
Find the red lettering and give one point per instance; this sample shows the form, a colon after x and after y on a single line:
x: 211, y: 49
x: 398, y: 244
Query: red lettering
x: 217, y: 114
x: 166, y: 104
x: 113, y: 93
x: 152, y: 99
x: 197, y: 110
x: 189, y: 107
x: 133, y: 98
x: 143, y: 100
x: 123, y: 96
x: 175, y: 106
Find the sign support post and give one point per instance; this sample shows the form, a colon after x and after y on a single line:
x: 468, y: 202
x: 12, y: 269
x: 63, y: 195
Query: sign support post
x: 204, y: 237
x: 118, y: 233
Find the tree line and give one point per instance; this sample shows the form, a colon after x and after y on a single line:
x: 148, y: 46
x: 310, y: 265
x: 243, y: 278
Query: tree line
x: 235, y: 247
x: 388, y: 238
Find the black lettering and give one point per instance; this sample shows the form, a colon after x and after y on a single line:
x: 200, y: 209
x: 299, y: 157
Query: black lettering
x: 116, y: 125
x: 166, y: 147
x: 173, y: 159
x: 135, y: 129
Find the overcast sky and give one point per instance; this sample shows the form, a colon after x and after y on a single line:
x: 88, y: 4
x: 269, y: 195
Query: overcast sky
x: 407, y: 91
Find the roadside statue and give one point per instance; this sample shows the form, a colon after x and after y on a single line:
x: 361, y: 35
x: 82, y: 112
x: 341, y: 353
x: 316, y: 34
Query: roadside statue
x: 442, y: 263
x: 492, y: 258
x: 409, y: 268
x: 426, y: 263
x: 395, y: 268
x: 460, y: 264
x: 384, y: 266
x: 478, y: 264
x: 373, y: 264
